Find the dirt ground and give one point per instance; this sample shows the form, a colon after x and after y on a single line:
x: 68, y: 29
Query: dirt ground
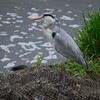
x: 45, y: 84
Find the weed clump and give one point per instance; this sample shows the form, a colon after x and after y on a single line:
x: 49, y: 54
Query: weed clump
x: 89, y: 35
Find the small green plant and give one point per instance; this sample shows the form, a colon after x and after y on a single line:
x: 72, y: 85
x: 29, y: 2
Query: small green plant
x: 89, y: 35
x: 94, y: 67
x: 38, y: 61
x: 56, y: 67
x: 75, y: 69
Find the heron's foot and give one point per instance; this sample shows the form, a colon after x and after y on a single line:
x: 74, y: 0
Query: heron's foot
x: 63, y: 73
x: 63, y: 78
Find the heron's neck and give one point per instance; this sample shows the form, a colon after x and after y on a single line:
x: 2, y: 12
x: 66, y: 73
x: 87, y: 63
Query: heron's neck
x: 48, y: 27
x: 48, y: 33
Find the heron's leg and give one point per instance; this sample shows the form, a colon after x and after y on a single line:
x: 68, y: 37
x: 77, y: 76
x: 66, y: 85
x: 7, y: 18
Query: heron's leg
x: 63, y: 69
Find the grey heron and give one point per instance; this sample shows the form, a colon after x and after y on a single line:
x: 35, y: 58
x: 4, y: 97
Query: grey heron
x: 61, y: 41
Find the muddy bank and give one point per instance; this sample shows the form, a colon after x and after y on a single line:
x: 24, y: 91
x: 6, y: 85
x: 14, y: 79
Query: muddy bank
x: 44, y: 84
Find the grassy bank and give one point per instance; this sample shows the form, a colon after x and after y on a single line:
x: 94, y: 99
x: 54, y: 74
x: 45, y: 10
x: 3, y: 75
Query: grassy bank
x: 88, y: 40
x: 88, y: 37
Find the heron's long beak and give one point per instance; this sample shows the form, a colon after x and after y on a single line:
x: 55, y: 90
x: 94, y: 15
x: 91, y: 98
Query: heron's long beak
x: 39, y: 18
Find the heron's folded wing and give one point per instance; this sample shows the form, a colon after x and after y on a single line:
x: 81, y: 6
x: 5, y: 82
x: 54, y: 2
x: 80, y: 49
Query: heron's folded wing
x: 67, y: 47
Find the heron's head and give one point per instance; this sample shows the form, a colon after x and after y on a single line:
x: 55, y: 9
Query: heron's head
x: 47, y: 18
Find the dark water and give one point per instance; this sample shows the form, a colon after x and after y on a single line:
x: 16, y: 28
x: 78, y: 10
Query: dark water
x: 21, y: 40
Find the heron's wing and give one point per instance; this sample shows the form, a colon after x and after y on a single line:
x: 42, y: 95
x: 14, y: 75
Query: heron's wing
x: 66, y: 46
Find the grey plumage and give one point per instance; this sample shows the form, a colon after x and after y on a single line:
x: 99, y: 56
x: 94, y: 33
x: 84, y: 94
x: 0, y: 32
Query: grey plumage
x: 65, y: 45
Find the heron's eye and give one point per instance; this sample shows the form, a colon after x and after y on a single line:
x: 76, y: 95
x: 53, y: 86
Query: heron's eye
x: 45, y: 21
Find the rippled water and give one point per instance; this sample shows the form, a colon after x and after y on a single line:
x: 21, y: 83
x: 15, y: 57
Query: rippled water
x: 21, y: 40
